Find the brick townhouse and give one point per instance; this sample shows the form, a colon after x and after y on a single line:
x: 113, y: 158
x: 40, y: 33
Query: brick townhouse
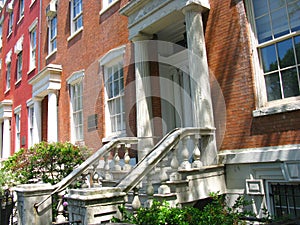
x: 113, y: 68
x: 19, y: 63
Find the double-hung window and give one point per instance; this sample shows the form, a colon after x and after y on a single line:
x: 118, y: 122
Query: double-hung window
x: 30, y: 110
x: 17, y: 128
x: 21, y: 9
x: 76, y: 15
x: 33, y: 40
x: 114, y: 83
x: 52, y: 34
x: 75, y: 82
x: 19, y: 66
x: 112, y: 67
x: 8, y: 75
x: 277, y: 29
x: 10, y: 22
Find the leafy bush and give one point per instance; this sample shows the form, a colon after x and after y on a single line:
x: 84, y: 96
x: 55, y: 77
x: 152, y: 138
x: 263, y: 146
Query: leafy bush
x: 214, y: 213
x: 46, y: 162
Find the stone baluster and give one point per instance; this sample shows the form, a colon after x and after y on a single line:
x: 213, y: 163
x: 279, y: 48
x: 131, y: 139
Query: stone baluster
x: 185, y: 154
x: 136, y: 203
x: 175, y: 165
x: 95, y: 175
x: 196, y: 153
x: 127, y: 166
x: 149, y: 189
x: 163, y: 188
x: 60, y: 209
x: 107, y: 175
x: 84, y: 179
x: 117, y: 159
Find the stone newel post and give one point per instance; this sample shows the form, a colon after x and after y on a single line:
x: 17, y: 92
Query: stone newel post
x: 30, y: 194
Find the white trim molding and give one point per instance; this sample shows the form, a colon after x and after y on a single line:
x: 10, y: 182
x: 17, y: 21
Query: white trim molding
x: 49, y: 79
x: 75, y: 77
x: 111, y: 55
x: 280, y: 153
x: 6, y: 109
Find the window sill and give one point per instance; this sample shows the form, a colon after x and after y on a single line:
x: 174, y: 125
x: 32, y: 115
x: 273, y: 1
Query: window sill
x: 6, y: 91
x: 32, y: 3
x: 9, y: 34
x: 103, y: 10
x: 18, y: 81
x: 30, y: 70
x: 113, y: 136
x: 75, y: 34
x: 287, y: 107
x: 20, y: 20
x: 51, y: 54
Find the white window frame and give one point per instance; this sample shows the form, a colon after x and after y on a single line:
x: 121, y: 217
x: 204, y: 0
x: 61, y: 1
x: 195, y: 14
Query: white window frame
x: 33, y: 44
x: 75, y: 18
x: 106, y: 4
x: 10, y: 23
x: 263, y: 107
x: 52, y: 38
x: 8, y: 76
x: 113, y: 58
x: 21, y: 9
x: 75, y: 81
x: 17, y: 113
x: 19, y: 66
x: 30, y: 119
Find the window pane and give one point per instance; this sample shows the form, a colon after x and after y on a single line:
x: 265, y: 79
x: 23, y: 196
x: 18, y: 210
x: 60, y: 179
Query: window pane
x: 119, y: 124
x: 116, y: 88
x: 273, y: 87
x: 275, y: 4
x: 297, y: 46
x: 260, y: 7
x: 118, y: 106
x: 263, y: 29
x: 290, y: 83
x: 286, y: 53
x: 269, y: 60
x: 294, y: 15
x: 280, y: 22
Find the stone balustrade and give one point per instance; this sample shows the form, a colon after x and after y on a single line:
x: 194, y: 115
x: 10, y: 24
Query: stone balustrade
x: 166, y: 172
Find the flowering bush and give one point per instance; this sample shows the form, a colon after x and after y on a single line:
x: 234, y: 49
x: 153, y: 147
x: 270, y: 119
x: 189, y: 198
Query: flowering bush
x: 46, y: 162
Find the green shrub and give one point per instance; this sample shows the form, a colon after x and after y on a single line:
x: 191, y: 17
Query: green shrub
x: 46, y: 162
x: 214, y: 213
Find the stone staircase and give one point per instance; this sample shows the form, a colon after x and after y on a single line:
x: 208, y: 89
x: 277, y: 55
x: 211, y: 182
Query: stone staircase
x: 181, y: 169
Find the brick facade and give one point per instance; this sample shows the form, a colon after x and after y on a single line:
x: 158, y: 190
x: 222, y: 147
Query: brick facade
x: 19, y: 92
x: 230, y: 61
x: 229, y: 52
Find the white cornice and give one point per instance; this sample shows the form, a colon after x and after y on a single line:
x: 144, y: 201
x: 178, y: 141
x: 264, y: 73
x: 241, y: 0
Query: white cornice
x: 6, y: 109
x: 46, y: 80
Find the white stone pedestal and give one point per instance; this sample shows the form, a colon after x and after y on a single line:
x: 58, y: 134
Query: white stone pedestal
x: 28, y: 196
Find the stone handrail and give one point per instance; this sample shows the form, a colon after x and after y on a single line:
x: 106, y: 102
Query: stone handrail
x: 93, y: 159
x: 160, y: 151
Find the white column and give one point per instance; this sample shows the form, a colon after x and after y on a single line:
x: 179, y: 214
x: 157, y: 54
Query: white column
x: 198, y: 67
x: 37, y: 120
x: 52, y: 117
x: 199, y: 75
x: 6, y: 137
x: 1, y: 139
x: 143, y: 96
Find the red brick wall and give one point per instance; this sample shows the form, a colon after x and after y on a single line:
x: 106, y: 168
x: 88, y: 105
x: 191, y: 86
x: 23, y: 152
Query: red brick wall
x: 19, y: 92
x: 99, y: 35
x: 229, y: 56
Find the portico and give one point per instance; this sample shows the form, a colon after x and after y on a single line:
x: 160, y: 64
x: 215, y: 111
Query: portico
x: 171, y: 33
x: 46, y: 84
